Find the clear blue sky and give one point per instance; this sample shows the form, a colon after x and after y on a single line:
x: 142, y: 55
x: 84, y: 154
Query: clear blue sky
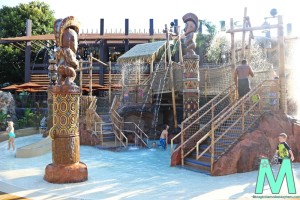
x: 164, y: 11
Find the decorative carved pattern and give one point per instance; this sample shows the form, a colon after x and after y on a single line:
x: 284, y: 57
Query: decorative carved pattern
x: 191, y: 66
x: 66, y: 112
x: 191, y: 81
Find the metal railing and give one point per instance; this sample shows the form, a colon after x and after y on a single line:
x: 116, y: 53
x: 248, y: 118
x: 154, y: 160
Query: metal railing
x: 228, y: 127
x: 119, y: 127
x: 198, y: 124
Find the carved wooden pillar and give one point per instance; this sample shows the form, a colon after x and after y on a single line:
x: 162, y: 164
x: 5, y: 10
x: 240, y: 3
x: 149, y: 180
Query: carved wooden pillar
x: 191, y: 92
x: 66, y: 166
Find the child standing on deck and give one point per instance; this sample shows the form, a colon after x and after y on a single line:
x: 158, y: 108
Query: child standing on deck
x: 11, y: 134
x: 283, y: 149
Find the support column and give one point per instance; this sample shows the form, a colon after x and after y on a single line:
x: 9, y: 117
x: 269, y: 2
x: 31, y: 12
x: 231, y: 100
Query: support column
x: 191, y: 77
x: 191, y: 80
x: 66, y: 166
x: 126, y: 33
x: 282, y: 75
x: 28, y: 51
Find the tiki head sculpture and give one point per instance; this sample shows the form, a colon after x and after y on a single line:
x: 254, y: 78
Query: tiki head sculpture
x: 191, y: 26
x: 66, y: 36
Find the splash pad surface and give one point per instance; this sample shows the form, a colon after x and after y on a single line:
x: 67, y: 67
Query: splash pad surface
x: 133, y: 174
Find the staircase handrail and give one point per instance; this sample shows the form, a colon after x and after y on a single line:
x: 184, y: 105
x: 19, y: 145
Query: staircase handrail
x: 226, y: 115
x: 142, y: 133
x: 230, y: 88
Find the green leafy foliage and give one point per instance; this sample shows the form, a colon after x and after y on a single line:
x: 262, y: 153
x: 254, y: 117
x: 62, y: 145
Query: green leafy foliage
x: 13, y: 24
x: 3, y: 118
x: 28, y: 119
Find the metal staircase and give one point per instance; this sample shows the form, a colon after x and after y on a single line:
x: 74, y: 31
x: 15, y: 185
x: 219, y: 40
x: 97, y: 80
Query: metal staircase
x: 212, y: 130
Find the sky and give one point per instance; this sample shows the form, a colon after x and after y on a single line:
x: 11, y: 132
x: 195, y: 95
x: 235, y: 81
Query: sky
x: 163, y: 12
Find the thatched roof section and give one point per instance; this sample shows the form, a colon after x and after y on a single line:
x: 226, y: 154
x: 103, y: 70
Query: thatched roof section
x: 145, y: 52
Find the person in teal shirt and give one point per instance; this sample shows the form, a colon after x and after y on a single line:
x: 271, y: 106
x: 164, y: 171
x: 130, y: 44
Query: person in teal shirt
x: 11, y: 134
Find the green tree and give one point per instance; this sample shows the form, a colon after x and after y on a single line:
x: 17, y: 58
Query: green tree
x: 203, y: 41
x: 13, y: 24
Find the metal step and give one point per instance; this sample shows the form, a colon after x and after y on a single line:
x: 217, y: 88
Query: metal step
x: 199, y: 165
x: 194, y: 169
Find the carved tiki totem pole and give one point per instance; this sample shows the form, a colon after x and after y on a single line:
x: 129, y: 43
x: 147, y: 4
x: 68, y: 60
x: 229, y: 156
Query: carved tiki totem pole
x: 191, y: 76
x: 66, y: 166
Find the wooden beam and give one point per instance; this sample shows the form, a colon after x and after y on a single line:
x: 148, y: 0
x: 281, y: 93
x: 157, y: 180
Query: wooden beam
x: 255, y: 28
x: 244, y: 32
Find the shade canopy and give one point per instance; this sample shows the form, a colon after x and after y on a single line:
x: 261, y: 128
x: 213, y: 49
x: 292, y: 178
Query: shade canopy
x: 29, y: 85
x: 144, y: 52
x: 94, y: 86
x: 11, y: 87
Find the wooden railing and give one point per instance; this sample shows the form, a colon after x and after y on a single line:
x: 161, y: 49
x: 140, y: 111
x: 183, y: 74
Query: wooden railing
x: 198, y: 124
x: 234, y: 122
x: 91, y: 115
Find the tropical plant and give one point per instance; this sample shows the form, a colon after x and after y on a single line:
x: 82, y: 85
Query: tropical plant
x: 3, y: 117
x: 28, y: 119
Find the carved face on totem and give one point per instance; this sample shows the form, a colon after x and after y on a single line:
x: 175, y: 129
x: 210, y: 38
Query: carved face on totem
x: 70, y: 39
x: 190, y: 27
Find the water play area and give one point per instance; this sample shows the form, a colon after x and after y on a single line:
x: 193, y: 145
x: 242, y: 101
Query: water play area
x: 132, y: 174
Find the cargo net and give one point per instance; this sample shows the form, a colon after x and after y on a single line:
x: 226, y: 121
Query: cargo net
x: 215, y: 80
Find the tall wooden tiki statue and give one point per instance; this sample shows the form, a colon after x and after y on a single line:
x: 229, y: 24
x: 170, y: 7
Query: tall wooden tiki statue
x: 191, y: 76
x: 66, y: 166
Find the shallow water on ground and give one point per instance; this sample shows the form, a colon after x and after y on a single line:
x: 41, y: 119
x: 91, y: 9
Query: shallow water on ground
x: 132, y: 174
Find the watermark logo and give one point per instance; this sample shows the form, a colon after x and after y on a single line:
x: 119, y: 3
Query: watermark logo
x: 285, y: 171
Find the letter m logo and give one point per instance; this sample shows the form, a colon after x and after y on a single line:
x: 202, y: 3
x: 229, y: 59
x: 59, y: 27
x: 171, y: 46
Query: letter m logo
x: 266, y: 171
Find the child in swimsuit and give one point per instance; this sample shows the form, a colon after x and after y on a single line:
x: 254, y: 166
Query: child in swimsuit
x: 164, y: 137
x: 11, y: 135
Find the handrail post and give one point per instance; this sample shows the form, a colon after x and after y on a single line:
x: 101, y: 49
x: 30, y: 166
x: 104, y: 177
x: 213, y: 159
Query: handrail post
x: 243, y: 115
x: 182, y: 141
x: 109, y: 82
x: 212, y: 156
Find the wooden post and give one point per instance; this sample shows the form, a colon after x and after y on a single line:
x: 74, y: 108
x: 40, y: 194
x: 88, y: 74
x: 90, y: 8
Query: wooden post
x: 171, y: 77
x: 244, y: 33
x: 28, y: 51
x: 205, y: 83
x: 91, y: 75
x: 243, y: 115
x: 212, y: 158
x: 80, y: 77
x: 151, y: 66
x: 282, y: 77
x: 165, y: 57
x: 181, y: 142
x: 109, y: 80
x: 179, y: 46
x: 251, y: 36
x: 232, y: 45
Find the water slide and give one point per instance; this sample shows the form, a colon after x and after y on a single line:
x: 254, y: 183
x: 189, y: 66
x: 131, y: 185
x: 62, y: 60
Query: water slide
x: 36, y: 149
